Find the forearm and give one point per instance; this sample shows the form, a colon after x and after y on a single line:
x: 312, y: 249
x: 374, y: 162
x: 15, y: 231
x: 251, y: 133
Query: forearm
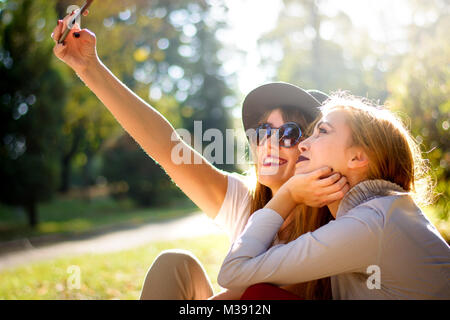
x: 145, y: 124
x: 237, y: 271
x: 327, y: 251
x: 282, y: 203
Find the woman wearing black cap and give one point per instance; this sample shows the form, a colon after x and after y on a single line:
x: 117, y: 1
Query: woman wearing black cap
x: 224, y: 197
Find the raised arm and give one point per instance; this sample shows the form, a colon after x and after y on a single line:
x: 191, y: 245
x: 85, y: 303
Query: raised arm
x: 204, y: 184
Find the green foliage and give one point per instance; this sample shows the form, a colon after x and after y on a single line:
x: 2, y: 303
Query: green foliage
x: 420, y: 90
x: 31, y: 97
x: 313, y: 59
x: 416, y: 82
x: 144, y: 181
x: 72, y: 216
x: 165, y: 52
x: 153, y: 46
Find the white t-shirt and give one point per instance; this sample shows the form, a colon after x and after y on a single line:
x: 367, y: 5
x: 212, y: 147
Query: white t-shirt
x: 235, y: 210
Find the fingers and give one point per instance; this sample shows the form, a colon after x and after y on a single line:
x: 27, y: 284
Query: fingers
x: 336, y: 190
x: 336, y: 186
x: 336, y: 195
x: 62, y: 25
x: 56, y: 34
x: 59, y: 50
x: 321, y: 172
x: 329, y: 180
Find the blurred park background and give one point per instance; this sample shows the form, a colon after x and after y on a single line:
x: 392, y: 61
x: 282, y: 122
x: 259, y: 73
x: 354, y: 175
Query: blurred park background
x: 67, y: 167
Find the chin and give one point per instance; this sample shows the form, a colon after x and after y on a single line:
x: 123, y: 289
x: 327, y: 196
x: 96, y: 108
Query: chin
x: 302, y: 169
x: 272, y: 181
x: 269, y: 180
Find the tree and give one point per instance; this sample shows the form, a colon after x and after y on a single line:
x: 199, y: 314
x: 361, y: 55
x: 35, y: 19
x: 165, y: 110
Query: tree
x: 165, y: 51
x: 86, y: 123
x: 31, y: 94
x: 420, y: 90
x: 316, y: 49
x: 135, y: 176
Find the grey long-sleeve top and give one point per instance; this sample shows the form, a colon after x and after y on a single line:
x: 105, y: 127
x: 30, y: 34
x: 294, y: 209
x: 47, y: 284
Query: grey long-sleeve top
x: 380, y: 246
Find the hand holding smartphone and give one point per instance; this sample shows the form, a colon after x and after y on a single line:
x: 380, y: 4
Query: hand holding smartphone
x: 77, y: 15
x: 78, y: 52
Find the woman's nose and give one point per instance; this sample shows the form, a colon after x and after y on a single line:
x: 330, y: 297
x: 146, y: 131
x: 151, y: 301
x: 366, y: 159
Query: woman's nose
x: 303, y: 145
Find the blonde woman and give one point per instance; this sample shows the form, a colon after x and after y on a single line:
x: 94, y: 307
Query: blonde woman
x: 380, y: 245
x: 224, y: 197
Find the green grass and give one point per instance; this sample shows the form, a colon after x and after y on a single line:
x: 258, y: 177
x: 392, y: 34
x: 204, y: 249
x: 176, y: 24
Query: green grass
x: 78, y: 216
x: 117, y: 275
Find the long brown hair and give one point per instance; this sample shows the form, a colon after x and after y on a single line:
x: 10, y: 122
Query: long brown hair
x: 305, y: 219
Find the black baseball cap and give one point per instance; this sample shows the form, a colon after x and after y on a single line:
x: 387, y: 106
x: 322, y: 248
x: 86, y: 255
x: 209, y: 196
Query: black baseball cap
x: 280, y: 94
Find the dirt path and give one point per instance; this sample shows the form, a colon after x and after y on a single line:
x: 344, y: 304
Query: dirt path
x: 194, y: 225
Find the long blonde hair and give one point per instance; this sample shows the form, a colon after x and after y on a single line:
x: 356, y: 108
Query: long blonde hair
x: 393, y: 153
x: 305, y: 219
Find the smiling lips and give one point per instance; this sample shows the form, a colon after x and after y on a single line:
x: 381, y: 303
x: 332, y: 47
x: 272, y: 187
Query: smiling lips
x: 273, y: 161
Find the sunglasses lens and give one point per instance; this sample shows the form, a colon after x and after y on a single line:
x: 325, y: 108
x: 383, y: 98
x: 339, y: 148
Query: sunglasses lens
x: 290, y: 134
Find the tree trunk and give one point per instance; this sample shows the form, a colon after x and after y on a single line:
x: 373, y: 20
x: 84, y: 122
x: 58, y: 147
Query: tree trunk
x: 88, y: 180
x: 31, y: 209
x: 66, y: 160
x: 65, y: 174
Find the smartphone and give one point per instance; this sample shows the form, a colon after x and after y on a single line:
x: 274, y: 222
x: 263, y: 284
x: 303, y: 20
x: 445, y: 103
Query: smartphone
x: 76, y: 18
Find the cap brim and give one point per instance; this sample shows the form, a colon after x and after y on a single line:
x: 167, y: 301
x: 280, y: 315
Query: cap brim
x: 274, y: 95
x: 318, y: 95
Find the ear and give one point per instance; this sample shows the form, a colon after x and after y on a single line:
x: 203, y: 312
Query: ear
x: 358, y: 159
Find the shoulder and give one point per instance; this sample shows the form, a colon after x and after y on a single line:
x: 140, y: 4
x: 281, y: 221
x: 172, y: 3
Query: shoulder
x: 242, y: 181
x: 369, y: 213
x: 239, y: 187
x: 380, y: 210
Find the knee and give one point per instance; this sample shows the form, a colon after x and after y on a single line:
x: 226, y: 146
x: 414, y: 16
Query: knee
x: 176, y: 274
x: 175, y: 257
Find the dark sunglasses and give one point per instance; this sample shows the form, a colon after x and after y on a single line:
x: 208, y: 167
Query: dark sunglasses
x: 289, y: 134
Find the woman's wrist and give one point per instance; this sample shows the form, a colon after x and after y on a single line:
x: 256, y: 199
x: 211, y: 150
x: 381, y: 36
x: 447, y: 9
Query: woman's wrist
x: 90, y: 70
x: 292, y: 187
x: 282, y: 202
